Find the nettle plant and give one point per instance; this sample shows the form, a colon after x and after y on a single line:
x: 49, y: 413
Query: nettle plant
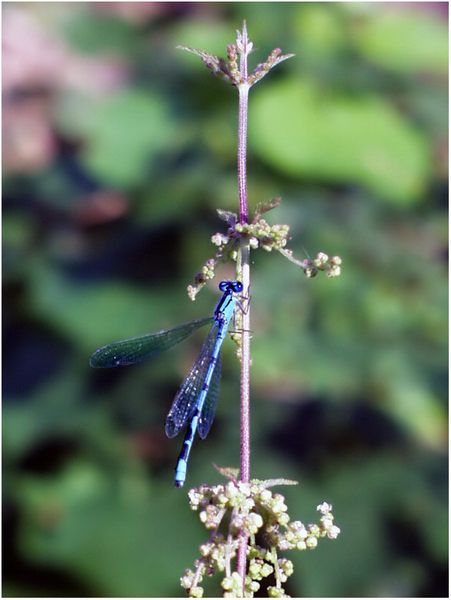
x: 248, y: 524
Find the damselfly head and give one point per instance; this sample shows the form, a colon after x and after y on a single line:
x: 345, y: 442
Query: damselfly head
x: 231, y: 286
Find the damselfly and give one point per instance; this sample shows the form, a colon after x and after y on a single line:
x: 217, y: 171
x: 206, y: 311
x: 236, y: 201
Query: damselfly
x: 195, y: 402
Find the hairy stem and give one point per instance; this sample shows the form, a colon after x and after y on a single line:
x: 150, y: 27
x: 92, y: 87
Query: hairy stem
x: 245, y: 371
x: 242, y: 150
x: 245, y: 278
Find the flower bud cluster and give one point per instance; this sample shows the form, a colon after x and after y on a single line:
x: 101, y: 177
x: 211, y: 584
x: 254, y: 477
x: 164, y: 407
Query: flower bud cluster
x: 263, y: 235
x: 305, y: 537
x: 259, y: 569
x: 322, y: 262
x: 264, y: 68
x: 226, y: 69
x: 229, y: 69
x: 286, y: 568
x: 259, y: 234
x: 232, y: 585
x: 232, y: 61
x: 189, y: 582
x: 200, y: 279
x: 276, y: 592
x: 252, y: 508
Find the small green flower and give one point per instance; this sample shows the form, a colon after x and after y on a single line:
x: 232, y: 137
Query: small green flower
x: 233, y: 586
x: 311, y: 542
x: 286, y: 566
x: 333, y: 532
x: 324, y: 508
x: 283, y: 519
x: 187, y: 579
x: 276, y: 592
x: 266, y: 570
x: 252, y: 586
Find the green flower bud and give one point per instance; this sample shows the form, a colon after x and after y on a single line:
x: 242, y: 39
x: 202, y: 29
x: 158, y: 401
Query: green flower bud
x: 333, y: 532
x: 311, y: 542
x: 266, y: 570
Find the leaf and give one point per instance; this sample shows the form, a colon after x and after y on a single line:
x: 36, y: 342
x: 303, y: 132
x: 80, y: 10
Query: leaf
x: 95, y: 33
x: 124, y: 134
x: 265, y: 206
x: 218, y: 66
x: 117, y: 543
x: 404, y: 41
x: 94, y: 315
x: 319, y: 29
x: 280, y: 481
x: 307, y: 133
x: 231, y: 473
x: 229, y: 217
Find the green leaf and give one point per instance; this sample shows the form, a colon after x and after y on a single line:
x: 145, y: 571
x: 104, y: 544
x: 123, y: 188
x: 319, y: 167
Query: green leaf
x: 265, y: 206
x: 95, y: 315
x: 404, y: 41
x: 230, y: 472
x: 307, y: 133
x: 112, y: 530
x: 124, y: 135
x: 319, y: 29
x: 94, y: 33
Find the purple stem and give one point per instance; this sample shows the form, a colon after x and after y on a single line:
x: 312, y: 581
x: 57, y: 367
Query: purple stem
x: 245, y: 278
x: 242, y: 151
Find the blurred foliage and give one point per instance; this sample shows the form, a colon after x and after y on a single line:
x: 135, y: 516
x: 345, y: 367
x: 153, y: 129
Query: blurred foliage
x: 123, y: 133
x: 117, y: 150
x: 363, y: 138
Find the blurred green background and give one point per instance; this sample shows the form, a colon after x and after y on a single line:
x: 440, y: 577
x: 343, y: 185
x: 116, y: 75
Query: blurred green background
x: 117, y: 150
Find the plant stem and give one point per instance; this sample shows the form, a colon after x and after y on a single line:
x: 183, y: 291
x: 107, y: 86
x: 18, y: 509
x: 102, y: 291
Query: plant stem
x: 245, y: 278
x: 245, y: 372
x: 242, y: 150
